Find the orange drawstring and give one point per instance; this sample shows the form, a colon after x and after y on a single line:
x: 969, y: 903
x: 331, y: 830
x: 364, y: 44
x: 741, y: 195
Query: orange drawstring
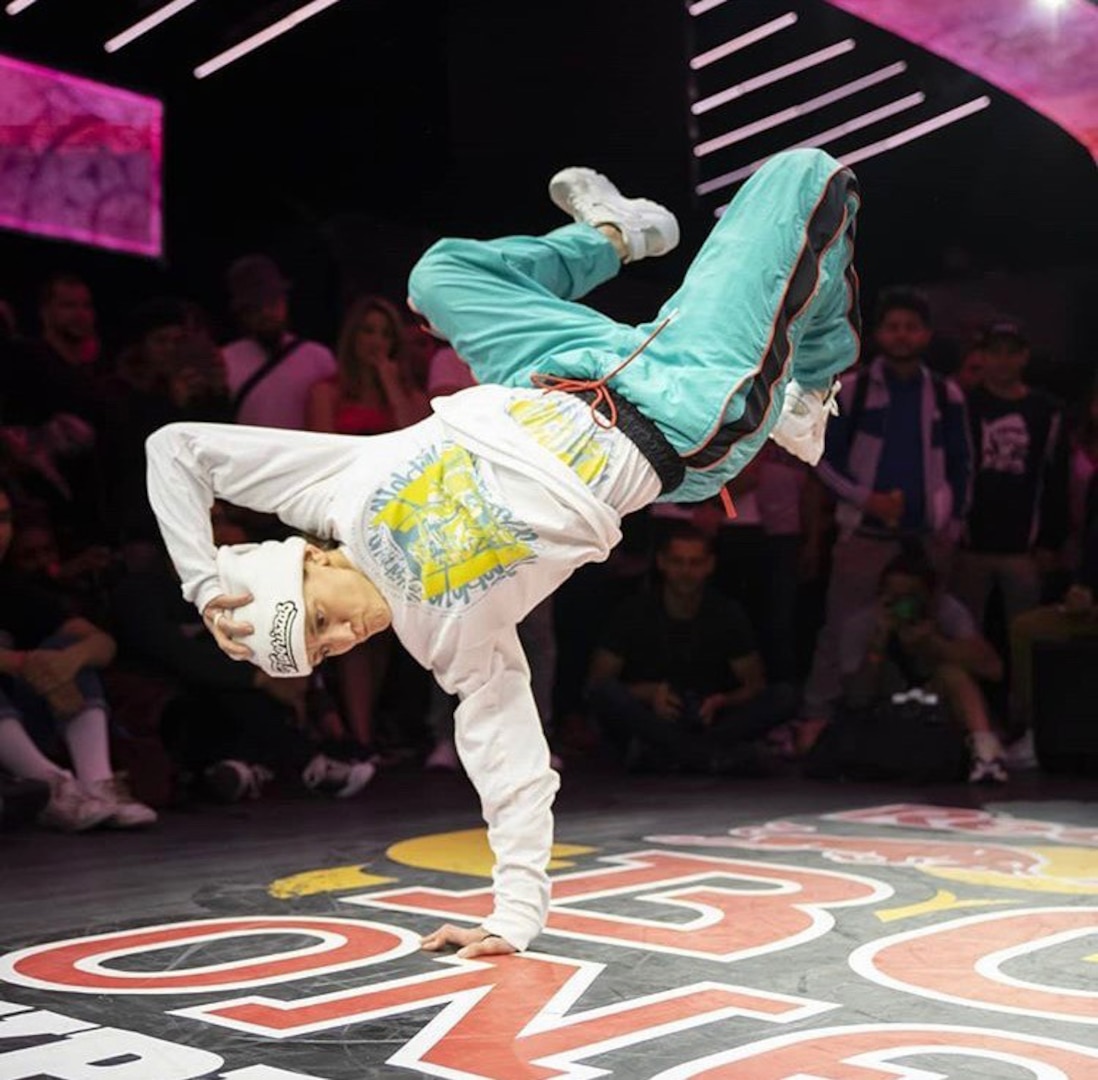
x: 570, y: 385
x: 602, y: 394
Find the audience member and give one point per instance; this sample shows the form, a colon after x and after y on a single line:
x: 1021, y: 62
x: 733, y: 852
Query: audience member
x: 1076, y: 616
x: 1018, y: 516
x: 1083, y: 463
x: 269, y: 369
x: 898, y: 460
x: 677, y: 680
x: 916, y: 637
x: 48, y: 686
x: 168, y: 371
x: 373, y: 390
x: 970, y: 372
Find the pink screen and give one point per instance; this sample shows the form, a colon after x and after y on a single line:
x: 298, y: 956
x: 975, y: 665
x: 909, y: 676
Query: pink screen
x: 1042, y: 53
x: 79, y: 160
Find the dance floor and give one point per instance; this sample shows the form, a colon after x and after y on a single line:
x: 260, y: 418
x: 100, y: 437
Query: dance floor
x: 757, y: 930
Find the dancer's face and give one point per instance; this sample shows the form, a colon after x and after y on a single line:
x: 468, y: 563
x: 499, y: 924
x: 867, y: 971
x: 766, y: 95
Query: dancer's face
x: 342, y: 606
x: 902, y: 335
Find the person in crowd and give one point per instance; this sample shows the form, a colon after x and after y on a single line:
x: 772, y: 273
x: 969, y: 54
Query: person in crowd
x: 451, y: 530
x: 1017, y: 519
x: 49, y: 686
x: 1074, y: 616
x: 68, y: 317
x: 898, y: 461
x: 677, y: 680
x: 168, y: 371
x: 970, y: 372
x: 373, y: 390
x: 1082, y: 465
x: 56, y: 406
x: 270, y: 370
x: 914, y: 635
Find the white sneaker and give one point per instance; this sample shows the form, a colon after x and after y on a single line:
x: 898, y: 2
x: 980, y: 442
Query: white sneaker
x: 988, y: 771
x: 126, y: 811
x: 339, y: 778
x: 1022, y: 754
x: 802, y: 427
x: 647, y: 228
x: 71, y: 808
x: 231, y: 780
x: 443, y: 756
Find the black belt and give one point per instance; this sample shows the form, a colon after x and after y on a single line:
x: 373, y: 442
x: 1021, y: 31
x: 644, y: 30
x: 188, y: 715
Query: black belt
x: 644, y: 435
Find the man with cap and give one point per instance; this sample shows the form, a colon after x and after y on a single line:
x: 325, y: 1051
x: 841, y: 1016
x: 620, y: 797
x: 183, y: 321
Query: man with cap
x: 1017, y: 520
x: 452, y: 530
x: 270, y: 370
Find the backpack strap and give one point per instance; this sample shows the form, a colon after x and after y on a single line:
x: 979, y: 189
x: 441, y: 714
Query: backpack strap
x: 260, y: 373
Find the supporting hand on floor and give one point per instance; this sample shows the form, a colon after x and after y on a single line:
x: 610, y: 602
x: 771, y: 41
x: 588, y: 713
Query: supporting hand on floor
x: 471, y: 941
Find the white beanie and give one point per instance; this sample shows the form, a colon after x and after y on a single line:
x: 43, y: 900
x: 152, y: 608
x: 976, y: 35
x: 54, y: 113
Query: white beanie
x: 274, y: 573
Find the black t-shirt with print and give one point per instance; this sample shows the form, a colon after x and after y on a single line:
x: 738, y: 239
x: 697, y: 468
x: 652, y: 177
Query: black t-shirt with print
x: 1019, y: 475
x: 690, y: 654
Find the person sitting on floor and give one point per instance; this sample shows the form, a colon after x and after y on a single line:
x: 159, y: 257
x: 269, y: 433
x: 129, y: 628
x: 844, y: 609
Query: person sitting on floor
x: 677, y: 679
x: 49, y: 685
x: 916, y: 636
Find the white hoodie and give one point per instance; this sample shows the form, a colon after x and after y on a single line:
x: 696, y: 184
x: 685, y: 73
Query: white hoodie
x: 464, y: 522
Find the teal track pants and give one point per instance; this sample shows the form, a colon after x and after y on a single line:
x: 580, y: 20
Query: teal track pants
x: 771, y: 295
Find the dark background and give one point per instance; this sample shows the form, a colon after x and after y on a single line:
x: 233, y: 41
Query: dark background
x: 351, y: 142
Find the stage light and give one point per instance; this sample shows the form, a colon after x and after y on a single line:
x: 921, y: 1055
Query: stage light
x: 711, y: 56
x: 821, y: 138
x: 772, y: 76
x: 702, y: 6
x: 17, y: 6
x: 258, y: 40
x: 794, y: 112
x: 1053, y: 5
x: 901, y: 138
x: 146, y: 24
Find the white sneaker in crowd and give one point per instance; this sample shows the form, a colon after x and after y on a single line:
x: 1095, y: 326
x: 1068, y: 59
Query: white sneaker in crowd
x: 443, y: 756
x: 126, y: 811
x: 988, y: 771
x: 1022, y: 754
x: 802, y: 427
x: 71, y: 808
x: 339, y: 778
x: 647, y: 228
x: 231, y: 780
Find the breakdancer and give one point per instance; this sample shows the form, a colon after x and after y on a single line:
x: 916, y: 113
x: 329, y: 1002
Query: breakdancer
x: 450, y: 531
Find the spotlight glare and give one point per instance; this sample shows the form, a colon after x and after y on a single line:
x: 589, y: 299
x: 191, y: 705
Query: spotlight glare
x: 17, y: 6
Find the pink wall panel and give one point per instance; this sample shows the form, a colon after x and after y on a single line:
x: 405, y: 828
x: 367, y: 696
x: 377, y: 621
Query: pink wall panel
x: 79, y: 160
x: 1043, y: 52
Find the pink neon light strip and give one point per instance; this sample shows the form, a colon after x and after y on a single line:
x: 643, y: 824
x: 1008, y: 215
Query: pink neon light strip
x: 79, y: 160
x: 1042, y: 55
